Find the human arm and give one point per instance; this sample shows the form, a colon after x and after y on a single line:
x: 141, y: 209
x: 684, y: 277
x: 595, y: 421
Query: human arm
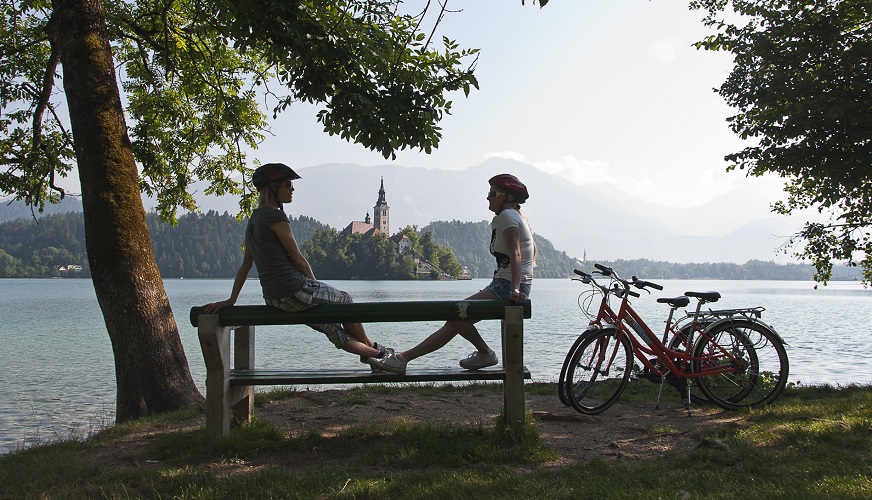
x: 241, y: 276
x: 286, y: 237
x: 512, y: 238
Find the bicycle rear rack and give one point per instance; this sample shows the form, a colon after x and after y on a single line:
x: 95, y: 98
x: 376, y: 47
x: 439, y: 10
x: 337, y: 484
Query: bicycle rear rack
x: 748, y: 312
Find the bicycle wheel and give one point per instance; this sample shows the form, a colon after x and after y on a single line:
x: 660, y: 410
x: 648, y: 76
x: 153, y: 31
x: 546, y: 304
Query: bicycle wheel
x: 599, y: 371
x: 678, y: 342
x: 746, y: 364
x: 562, y: 388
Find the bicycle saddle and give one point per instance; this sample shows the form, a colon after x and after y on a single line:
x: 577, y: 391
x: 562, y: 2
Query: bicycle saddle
x: 706, y: 296
x: 674, y: 301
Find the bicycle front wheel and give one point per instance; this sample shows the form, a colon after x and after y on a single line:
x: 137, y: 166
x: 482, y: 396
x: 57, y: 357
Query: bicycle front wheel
x: 563, y: 389
x: 742, y: 364
x: 599, y: 371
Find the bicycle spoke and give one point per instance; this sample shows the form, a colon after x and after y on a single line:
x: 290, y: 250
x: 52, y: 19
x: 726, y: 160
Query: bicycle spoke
x: 599, y: 371
x: 743, y: 362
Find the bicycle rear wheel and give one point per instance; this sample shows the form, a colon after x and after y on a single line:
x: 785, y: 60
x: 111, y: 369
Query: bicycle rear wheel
x: 599, y: 371
x: 563, y: 389
x: 744, y: 364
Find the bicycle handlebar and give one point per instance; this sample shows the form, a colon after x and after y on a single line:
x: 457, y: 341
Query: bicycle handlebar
x: 609, y: 272
x: 606, y: 271
x: 642, y: 284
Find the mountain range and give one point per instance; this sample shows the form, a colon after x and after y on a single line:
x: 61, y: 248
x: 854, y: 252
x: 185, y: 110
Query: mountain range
x: 592, y: 221
x: 597, y: 221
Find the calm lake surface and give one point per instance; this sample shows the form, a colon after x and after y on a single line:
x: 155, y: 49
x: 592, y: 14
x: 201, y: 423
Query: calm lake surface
x: 57, y: 370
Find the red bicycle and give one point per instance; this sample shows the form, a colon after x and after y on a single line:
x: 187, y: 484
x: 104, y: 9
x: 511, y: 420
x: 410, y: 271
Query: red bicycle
x: 735, y: 360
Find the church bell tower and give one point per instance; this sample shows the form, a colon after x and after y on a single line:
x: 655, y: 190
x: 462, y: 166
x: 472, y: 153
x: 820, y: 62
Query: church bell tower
x: 382, y: 212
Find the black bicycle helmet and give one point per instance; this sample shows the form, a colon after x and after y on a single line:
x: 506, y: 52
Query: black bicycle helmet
x: 272, y: 172
x: 509, y: 182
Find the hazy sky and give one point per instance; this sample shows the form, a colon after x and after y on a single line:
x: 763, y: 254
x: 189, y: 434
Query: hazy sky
x: 595, y: 90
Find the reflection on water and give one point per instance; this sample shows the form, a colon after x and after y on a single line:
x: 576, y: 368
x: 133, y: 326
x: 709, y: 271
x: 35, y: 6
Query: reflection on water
x: 58, y: 370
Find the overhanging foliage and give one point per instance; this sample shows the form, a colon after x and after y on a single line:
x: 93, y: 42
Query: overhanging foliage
x: 200, y: 77
x: 802, y: 86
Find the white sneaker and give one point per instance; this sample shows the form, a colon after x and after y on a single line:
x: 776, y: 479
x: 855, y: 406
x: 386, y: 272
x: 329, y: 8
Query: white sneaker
x: 390, y: 362
x: 478, y: 360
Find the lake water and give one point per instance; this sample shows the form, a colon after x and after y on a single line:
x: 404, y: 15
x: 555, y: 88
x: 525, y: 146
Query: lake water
x: 57, y: 369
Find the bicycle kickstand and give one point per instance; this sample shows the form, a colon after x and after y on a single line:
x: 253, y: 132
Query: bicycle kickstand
x: 687, y: 402
x: 660, y: 391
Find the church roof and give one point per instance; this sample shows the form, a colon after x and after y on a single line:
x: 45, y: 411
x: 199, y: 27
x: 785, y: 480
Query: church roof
x: 361, y: 227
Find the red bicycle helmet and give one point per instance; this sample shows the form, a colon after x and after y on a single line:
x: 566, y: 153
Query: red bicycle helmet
x: 511, y: 183
x: 272, y: 172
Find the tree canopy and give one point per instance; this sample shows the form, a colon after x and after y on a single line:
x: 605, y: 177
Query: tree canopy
x: 195, y: 74
x: 198, y: 75
x: 802, y: 87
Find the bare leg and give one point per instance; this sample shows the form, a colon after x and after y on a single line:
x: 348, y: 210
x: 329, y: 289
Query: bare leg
x: 467, y: 330
x: 355, y: 347
x: 449, y: 330
x: 435, y: 341
x: 357, y: 341
x: 356, y: 330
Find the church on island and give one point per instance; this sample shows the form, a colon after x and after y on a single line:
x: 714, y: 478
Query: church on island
x: 380, y: 223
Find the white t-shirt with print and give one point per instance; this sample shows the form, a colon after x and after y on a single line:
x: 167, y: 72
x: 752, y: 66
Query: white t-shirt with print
x: 506, y: 219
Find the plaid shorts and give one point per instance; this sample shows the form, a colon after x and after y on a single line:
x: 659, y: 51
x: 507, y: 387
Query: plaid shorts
x: 312, y: 294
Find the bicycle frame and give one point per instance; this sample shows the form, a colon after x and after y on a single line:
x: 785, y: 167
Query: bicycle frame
x: 673, y: 361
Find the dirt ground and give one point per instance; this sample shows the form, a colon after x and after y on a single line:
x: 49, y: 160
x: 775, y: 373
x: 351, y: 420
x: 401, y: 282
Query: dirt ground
x: 626, y: 431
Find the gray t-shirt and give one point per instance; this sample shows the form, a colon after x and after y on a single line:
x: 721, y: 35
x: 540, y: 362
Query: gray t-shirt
x: 278, y: 276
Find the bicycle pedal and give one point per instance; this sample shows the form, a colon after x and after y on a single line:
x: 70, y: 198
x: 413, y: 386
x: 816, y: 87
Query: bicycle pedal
x: 649, y: 376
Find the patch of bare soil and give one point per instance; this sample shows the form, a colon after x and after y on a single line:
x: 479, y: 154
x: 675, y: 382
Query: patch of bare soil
x: 627, y: 431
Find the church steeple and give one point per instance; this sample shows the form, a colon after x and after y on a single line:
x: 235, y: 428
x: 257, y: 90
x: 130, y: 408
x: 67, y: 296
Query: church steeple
x: 381, y: 211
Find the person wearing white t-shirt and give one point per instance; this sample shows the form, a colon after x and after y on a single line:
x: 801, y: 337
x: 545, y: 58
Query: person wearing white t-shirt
x: 513, y: 248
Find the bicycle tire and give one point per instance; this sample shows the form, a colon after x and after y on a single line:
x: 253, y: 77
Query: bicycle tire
x: 599, y: 371
x: 562, y: 389
x: 679, y: 342
x: 760, y: 354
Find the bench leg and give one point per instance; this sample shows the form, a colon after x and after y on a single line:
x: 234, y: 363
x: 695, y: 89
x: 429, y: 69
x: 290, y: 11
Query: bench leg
x: 513, y: 362
x: 215, y: 343
x: 243, y: 358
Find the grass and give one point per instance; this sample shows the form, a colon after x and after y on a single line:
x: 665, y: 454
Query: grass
x: 815, y: 442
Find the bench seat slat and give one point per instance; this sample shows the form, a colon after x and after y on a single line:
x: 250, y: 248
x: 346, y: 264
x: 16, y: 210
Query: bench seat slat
x: 364, y: 312
x: 261, y: 376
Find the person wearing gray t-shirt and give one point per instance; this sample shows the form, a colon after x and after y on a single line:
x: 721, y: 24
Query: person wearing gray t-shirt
x: 285, y: 275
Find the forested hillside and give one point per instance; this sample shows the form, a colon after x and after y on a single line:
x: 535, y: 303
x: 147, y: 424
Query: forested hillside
x: 200, y: 246
x: 36, y: 250
x: 471, y: 240
x: 209, y: 246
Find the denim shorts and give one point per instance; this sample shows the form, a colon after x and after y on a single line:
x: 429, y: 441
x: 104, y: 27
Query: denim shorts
x: 502, y: 288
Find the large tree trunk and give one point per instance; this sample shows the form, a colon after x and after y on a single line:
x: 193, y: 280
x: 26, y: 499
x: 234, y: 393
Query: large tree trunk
x: 151, y: 369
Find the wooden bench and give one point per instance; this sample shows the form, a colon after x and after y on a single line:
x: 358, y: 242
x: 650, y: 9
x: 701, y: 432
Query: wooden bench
x: 230, y: 389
